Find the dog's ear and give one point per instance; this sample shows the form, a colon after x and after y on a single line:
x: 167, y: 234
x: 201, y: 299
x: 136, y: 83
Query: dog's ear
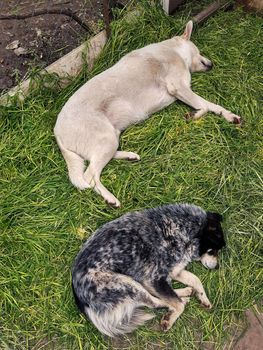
x: 214, y: 216
x: 188, y: 30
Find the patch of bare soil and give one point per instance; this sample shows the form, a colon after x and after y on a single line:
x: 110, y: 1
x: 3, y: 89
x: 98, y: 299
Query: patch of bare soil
x: 252, y: 337
x: 39, y: 41
x: 246, y: 334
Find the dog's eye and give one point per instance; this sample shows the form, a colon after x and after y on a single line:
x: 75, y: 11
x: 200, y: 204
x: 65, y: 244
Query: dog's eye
x: 210, y: 252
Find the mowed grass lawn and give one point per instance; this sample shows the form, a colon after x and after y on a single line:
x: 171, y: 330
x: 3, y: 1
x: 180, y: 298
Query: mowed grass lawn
x: 214, y: 164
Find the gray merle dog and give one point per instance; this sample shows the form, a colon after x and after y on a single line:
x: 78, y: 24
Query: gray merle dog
x: 129, y: 263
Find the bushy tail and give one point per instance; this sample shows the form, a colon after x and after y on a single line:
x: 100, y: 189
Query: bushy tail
x: 123, y: 313
x: 123, y: 318
x: 75, y: 166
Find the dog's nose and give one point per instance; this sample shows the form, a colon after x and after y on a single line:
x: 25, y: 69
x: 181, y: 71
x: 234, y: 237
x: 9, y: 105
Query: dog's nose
x: 217, y: 267
x: 209, y: 65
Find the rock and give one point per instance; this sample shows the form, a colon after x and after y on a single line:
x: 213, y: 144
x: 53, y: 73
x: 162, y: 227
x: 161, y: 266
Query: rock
x: 39, y: 32
x: 13, y: 45
x: 20, y: 51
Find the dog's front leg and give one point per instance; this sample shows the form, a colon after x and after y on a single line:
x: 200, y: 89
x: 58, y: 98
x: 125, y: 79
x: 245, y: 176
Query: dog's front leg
x: 186, y: 95
x: 193, y: 281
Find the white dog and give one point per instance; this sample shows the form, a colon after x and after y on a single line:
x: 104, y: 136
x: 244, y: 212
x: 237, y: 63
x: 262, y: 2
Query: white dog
x: 141, y: 83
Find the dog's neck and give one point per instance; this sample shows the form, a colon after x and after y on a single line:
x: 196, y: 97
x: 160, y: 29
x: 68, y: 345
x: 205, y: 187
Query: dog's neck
x: 183, y: 51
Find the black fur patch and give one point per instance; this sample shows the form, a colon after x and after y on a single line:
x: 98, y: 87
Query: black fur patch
x: 164, y: 289
x: 212, y: 237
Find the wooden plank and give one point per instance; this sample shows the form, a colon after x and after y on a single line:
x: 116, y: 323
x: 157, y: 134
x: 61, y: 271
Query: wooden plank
x: 210, y: 10
x: 170, y: 5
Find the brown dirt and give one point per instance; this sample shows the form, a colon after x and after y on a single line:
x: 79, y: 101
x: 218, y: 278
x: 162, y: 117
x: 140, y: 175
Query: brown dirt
x: 45, y: 38
x: 246, y: 334
x: 252, y: 337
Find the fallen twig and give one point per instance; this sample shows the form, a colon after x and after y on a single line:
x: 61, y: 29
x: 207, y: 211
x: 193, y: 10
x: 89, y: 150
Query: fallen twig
x: 65, y: 12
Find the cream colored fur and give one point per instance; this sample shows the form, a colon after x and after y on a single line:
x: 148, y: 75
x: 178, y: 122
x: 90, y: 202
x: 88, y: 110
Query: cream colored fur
x: 141, y: 83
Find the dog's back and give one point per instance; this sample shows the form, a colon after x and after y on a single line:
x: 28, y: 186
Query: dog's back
x: 133, y: 88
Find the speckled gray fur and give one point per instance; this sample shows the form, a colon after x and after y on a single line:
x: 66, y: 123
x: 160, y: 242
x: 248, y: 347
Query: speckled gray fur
x: 143, y: 245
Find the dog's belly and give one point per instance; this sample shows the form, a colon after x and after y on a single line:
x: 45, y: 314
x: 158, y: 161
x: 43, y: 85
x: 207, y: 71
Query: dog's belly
x: 138, y: 107
x: 156, y: 100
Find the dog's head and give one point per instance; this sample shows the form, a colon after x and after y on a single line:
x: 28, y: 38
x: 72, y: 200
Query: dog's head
x: 196, y: 62
x: 211, y: 240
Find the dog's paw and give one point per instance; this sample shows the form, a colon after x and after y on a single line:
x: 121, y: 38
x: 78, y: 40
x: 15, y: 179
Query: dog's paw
x: 115, y: 205
x: 185, y: 300
x: 133, y: 157
x: 204, y: 301
x: 112, y: 201
x: 184, y: 292
x: 237, y: 120
x: 232, y: 118
x: 189, y: 115
x: 189, y: 291
x: 207, y: 305
x: 165, y: 323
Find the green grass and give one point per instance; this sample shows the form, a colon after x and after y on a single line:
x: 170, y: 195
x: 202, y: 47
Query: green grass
x: 44, y: 219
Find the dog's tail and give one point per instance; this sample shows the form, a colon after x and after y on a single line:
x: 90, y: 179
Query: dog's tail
x: 75, y: 166
x: 123, y: 318
x: 120, y: 313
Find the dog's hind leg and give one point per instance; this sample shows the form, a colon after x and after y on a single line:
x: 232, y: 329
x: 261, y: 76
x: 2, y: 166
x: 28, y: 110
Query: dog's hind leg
x: 172, y: 315
x: 98, y: 161
x: 131, y: 156
x: 175, y: 303
x: 75, y: 165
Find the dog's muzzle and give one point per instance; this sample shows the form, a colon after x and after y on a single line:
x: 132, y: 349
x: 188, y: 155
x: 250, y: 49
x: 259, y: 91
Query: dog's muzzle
x: 209, y: 261
x: 208, y: 65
